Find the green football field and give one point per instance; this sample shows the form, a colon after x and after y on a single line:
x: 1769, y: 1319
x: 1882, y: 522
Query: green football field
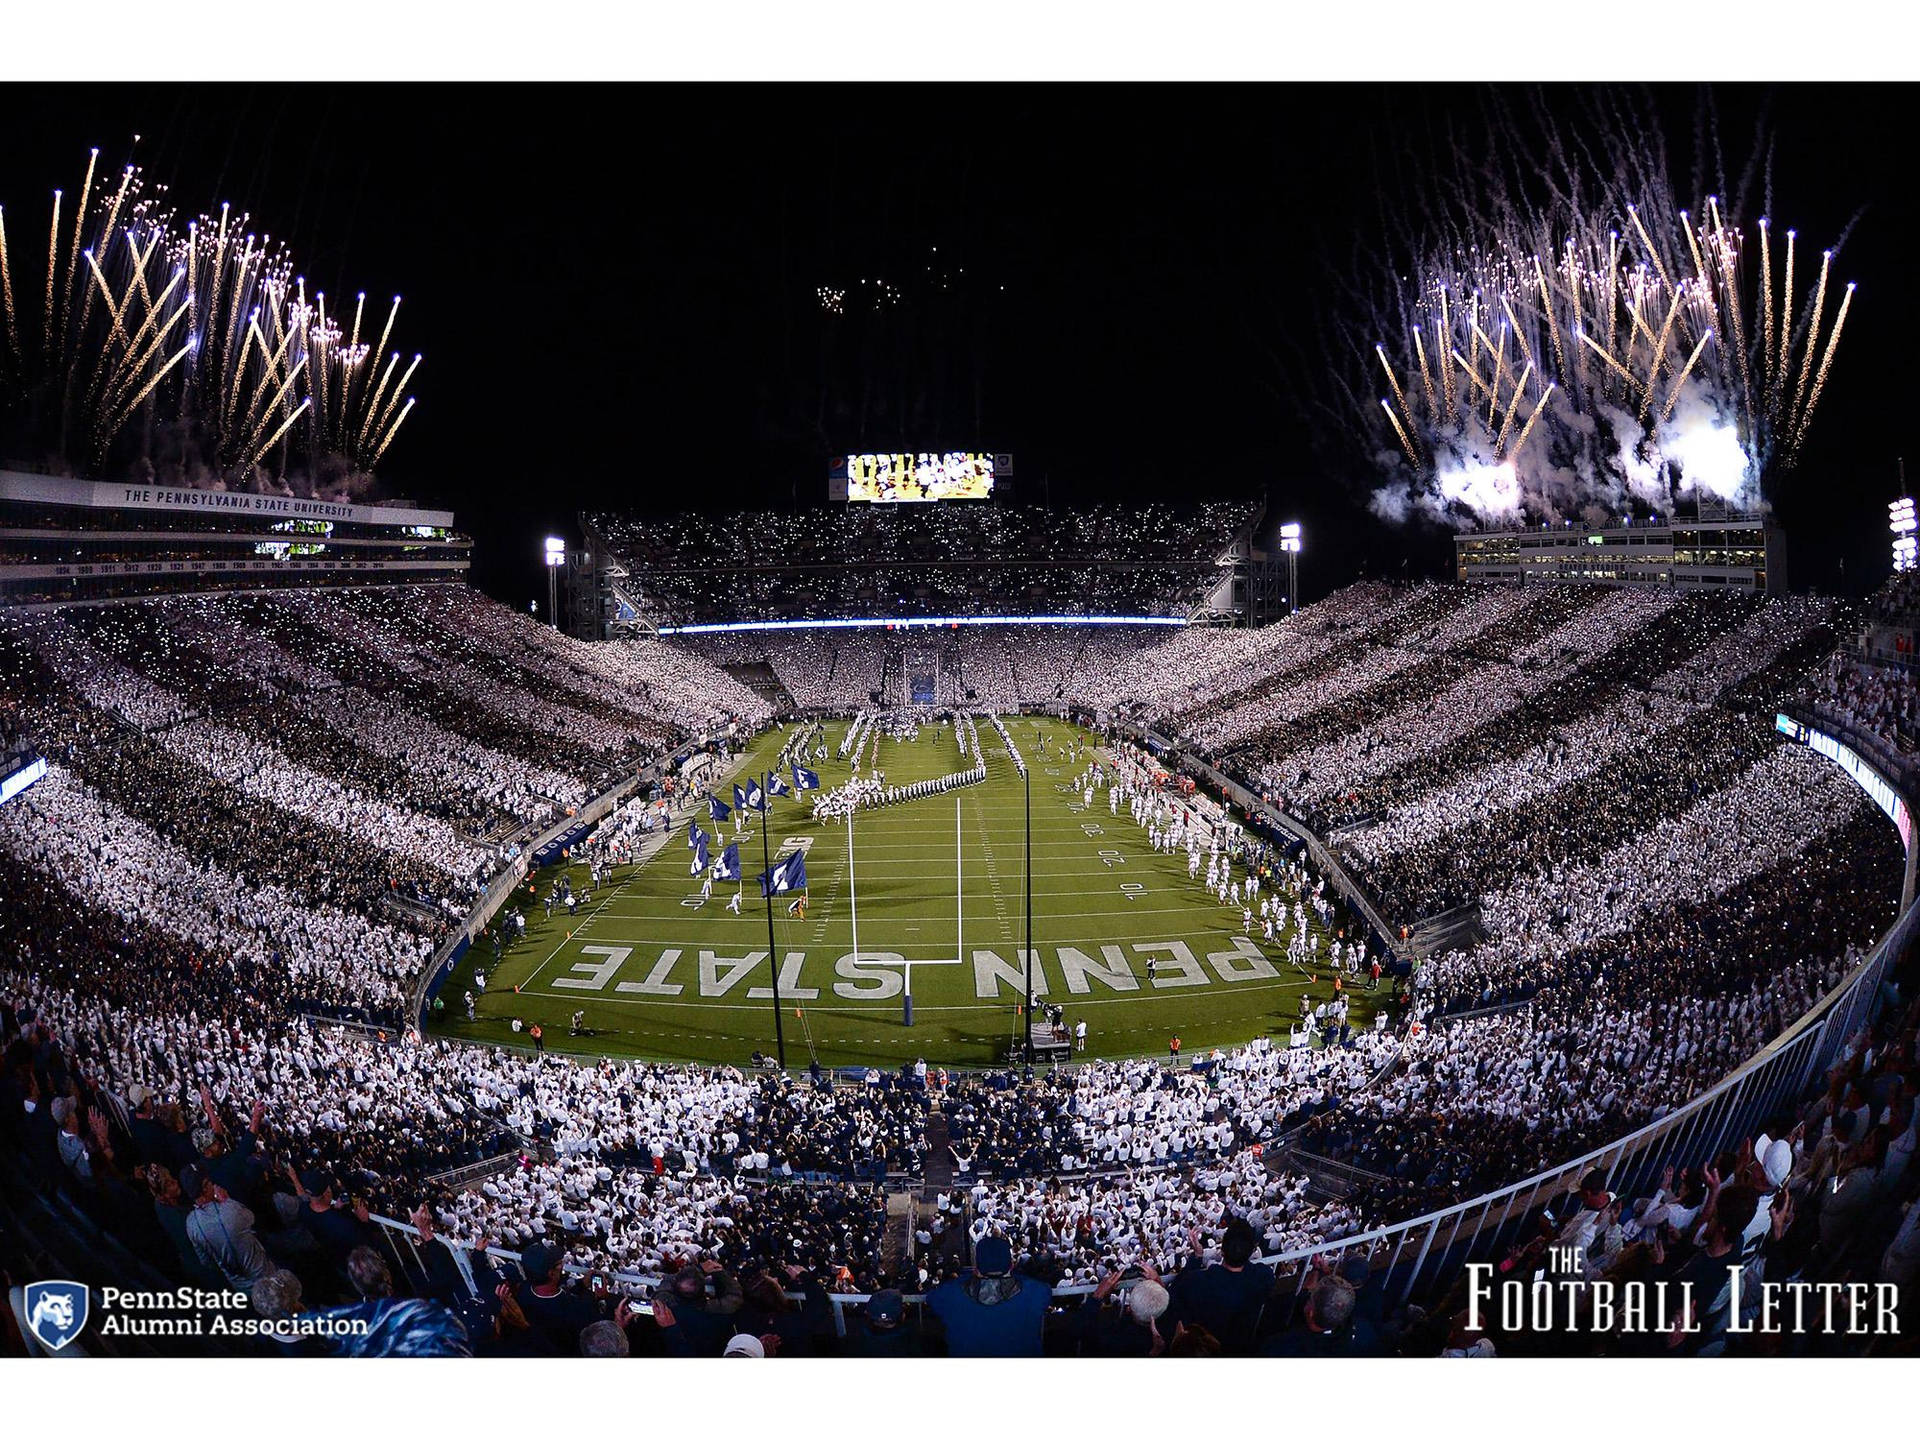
x: 661, y: 973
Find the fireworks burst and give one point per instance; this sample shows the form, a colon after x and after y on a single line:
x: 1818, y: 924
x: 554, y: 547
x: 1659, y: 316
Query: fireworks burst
x: 196, y: 335
x: 1590, y: 346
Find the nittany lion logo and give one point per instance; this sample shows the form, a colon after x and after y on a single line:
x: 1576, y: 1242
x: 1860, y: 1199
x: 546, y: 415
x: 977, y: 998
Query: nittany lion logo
x: 56, y: 1311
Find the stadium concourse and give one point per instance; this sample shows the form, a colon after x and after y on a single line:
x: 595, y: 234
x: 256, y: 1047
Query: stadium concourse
x: 266, y: 819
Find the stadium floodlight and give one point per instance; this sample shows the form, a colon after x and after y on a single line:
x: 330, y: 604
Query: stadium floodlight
x: 1901, y: 522
x: 1290, y: 542
x: 556, y: 559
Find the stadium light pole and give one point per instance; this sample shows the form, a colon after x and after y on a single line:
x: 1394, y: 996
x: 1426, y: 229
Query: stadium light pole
x: 853, y: 891
x: 556, y: 557
x: 1026, y: 969
x: 1290, y: 542
x: 773, y: 948
x: 1903, y: 526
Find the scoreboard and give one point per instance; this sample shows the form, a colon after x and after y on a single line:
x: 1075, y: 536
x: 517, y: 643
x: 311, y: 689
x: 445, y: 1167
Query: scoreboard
x: 916, y: 476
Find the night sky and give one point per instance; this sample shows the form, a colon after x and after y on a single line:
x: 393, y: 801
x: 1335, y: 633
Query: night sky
x: 616, y: 288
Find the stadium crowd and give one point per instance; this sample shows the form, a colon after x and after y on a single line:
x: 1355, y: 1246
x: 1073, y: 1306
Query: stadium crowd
x: 197, y: 782
x: 1882, y: 700
x: 213, y: 1183
x: 1663, y: 886
x: 1152, y: 559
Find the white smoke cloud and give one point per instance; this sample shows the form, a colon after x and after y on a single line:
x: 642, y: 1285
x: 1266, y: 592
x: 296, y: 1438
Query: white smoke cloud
x: 1706, y: 453
x: 1392, y: 503
x: 1490, y: 491
x: 1594, y: 466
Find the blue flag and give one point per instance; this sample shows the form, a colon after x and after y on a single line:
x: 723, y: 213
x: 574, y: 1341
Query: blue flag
x: 787, y: 874
x: 739, y: 798
x: 805, y: 779
x: 695, y: 835
x: 699, y: 857
x: 775, y: 785
x: 755, y: 798
x: 718, y: 809
x: 727, y: 867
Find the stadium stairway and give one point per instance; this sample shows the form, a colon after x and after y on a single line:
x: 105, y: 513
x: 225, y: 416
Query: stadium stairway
x: 1329, y: 1182
x: 896, y: 1241
x: 410, y: 911
x: 937, y: 1171
x: 759, y: 677
x: 1455, y: 929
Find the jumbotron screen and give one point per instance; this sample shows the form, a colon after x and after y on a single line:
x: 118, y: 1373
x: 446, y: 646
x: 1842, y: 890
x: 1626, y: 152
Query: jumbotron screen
x: 926, y: 475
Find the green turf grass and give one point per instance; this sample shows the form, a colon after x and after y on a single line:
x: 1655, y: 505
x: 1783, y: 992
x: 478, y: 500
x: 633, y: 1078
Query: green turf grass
x: 661, y: 975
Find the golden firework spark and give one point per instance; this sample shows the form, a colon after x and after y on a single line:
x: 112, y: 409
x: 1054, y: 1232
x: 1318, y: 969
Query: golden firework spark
x: 1826, y: 363
x: 1680, y: 380
x: 1392, y: 380
x: 1513, y: 407
x: 1405, y: 443
x: 198, y: 320
x: 1813, y: 338
x: 1527, y: 429
x: 1637, y: 320
x: 6, y: 289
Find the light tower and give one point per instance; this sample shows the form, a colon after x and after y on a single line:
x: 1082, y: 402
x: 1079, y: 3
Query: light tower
x: 1290, y: 542
x: 1900, y: 521
x: 556, y: 557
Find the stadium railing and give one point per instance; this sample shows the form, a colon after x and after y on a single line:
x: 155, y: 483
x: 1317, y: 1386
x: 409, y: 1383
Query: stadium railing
x: 1334, y: 1176
x: 462, y: 1176
x: 1433, y: 1246
x: 1894, y: 762
x: 1895, y: 769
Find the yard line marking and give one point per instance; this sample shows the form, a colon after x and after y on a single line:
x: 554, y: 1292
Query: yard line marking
x: 1199, y: 912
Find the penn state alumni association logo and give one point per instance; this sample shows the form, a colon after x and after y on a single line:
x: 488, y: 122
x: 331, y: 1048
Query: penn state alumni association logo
x: 56, y: 1311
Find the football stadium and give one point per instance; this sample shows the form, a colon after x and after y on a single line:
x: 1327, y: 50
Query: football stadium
x: 924, y: 909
